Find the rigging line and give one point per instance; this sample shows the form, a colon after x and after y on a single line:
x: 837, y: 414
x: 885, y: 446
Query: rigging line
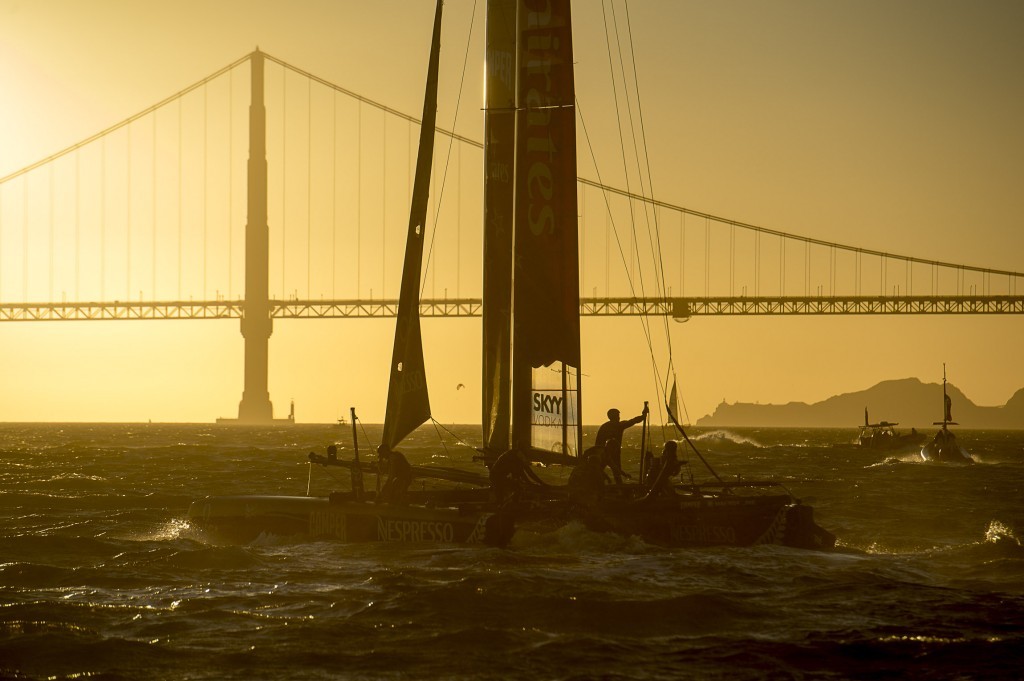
x: 178, y: 95
x: 451, y: 141
x: 618, y: 122
x: 618, y: 242
x: 458, y: 440
x: 640, y: 149
x: 625, y: 167
x: 655, y: 240
x: 634, y: 246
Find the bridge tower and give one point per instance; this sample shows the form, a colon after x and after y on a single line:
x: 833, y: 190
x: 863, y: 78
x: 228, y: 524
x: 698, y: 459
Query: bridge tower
x: 257, y: 324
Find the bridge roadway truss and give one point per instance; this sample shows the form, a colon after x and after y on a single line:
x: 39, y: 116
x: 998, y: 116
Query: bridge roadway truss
x: 678, y: 308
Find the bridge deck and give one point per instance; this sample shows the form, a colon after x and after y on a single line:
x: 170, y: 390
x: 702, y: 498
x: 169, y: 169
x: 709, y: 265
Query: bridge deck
x: 679, y: 308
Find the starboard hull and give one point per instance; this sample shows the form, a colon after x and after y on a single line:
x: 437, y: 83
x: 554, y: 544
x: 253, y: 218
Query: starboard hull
x: 689, y: 521
x: 945, y: 449
x: 246, y: 517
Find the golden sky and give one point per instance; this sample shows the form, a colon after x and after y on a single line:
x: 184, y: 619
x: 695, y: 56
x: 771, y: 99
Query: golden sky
x: 888, y: 126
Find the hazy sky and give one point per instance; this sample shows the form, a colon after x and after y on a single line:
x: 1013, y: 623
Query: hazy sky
x: 892, y: 126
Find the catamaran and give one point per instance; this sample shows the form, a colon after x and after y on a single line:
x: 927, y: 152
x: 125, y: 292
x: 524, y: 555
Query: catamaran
x: 531, y: 376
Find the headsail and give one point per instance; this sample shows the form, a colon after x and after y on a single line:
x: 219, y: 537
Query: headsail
x: 546, y: 307
x: 499, y: 158
x: 408, y: 402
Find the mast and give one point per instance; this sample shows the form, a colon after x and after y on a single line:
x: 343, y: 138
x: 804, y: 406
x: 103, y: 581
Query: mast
x: 408, y: 404
x: 546, y: 319
x: 499, y: 160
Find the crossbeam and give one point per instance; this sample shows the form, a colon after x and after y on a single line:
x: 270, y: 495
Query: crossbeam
x: 678, y: 308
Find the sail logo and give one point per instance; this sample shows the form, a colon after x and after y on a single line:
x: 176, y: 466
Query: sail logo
x: 499, y: 171
x: 547, y: 404
x: 500, y: 64
x: 327, y: 524
x: 412, y: 380
x: 395, y: 530
x: 543, y: 84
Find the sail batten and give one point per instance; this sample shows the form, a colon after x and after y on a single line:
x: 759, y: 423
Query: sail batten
x: 408, y: 404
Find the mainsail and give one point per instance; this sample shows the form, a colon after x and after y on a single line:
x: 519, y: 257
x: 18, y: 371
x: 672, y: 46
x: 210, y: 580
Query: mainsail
x: 408, y: 402
x: 499, y: 157
x: 546, y: 311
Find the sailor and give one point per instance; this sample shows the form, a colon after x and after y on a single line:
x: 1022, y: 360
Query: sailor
x: 332, y: 452
x: 609, y: 436
x: 667, y: 467
x: 508, y: 473
x: 399, y: 474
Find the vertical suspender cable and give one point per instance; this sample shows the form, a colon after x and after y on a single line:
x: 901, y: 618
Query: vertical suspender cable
x: 583, y: 233
x: 128, y: 221
x: 24, y: 240
x: 206, y: 165
x: 103, y: 219
x: 607, y: 248
x: 231, y: 178
x: 284, y: 172
x: 682, y: 254
x: 309, y: 184
x: 359, y: 193
x: 1, y: 238
x: 334, y: 193
x: 51, y: 232
x: 180, y: 162
x: 78, y: 220
x: 458, y: 221
x: 154, y: 212
x: 383, y: 204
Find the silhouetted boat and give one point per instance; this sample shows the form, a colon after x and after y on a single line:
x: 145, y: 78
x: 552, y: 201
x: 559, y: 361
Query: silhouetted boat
x: 446, y: 517
x: 883, y: 436
x: 944, y: 446
x: 531, y: 303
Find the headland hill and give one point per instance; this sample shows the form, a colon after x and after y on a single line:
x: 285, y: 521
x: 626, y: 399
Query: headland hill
x: 906, y: 401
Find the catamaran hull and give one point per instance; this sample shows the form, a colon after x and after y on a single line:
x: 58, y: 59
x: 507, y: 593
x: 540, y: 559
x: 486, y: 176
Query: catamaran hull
x: 892, y: 443
x: 245, y: 518
x: 715, y: 521
x: 948, y: 451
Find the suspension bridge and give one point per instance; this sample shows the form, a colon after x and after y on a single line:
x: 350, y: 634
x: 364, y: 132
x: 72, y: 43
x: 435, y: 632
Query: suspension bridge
x: 264, y: 192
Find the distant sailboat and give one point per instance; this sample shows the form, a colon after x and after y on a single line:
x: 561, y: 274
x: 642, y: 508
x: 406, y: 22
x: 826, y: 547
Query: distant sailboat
x: 944, y: 446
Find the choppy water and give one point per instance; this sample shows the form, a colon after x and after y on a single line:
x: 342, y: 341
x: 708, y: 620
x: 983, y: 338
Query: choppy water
x: 101, y: 578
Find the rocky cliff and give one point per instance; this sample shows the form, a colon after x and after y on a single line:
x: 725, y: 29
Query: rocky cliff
x: 906, y: 401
